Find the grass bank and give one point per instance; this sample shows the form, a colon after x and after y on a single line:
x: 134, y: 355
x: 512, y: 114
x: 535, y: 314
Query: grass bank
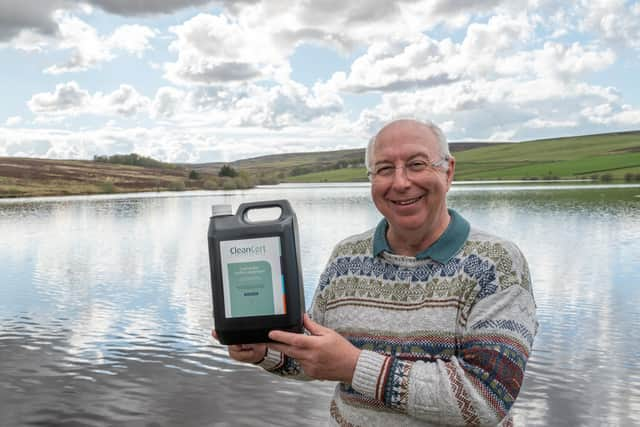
x: 605, y: 157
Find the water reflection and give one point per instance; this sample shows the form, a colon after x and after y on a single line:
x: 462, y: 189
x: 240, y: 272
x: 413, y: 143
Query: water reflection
x: 105, y: 305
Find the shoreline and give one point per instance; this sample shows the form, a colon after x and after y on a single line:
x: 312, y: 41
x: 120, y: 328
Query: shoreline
x: 192, y: 192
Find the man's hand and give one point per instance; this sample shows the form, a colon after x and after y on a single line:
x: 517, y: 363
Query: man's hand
x: 248, y: 353
x: 324, y: 355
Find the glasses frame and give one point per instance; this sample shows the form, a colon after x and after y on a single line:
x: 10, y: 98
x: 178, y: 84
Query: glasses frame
x: 429, y: 166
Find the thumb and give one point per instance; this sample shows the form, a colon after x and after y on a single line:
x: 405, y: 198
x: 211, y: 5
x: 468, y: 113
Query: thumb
x: 313, y: 327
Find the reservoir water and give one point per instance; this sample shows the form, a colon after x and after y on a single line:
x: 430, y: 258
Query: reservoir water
x: 105, y: 305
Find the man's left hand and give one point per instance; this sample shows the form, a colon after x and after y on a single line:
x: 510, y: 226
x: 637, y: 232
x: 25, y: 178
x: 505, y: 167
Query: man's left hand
x: 324, y: 355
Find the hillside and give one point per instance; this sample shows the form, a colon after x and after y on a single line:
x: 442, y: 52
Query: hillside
x: 45, y: 177
x: 289, y: 166
x: 277, y: 167
x: 612, y: 156
x: 602, y: 157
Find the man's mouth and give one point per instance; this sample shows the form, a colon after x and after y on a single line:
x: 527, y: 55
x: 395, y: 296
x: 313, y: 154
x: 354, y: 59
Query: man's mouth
x: 406, y: 202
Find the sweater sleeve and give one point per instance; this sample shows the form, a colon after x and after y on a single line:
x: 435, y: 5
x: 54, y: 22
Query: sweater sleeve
x: 476, y: 386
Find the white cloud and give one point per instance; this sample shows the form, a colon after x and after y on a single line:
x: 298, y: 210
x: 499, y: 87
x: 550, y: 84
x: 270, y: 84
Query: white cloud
x: 543, y: 124
x: 488, y: 51
x: 218, y: 49
x: 562, y: 61
x: 615, y: 21
x: 501, y: 33
x: 13, y: 121
x: 400, y: 65
x: 611, y: 114
x: 253, y: 41
x: 30, y: 41
x: 70, y: 100
x: 507, y: 108
x: 133, y: 39
x: 167, y: 102
x: 248, y: 105
x: 125, y: 101
x: 288, y: 104
x: 67, y: 98
x: 285, y: 105
x: 89, y: 49
x: 173, y: 143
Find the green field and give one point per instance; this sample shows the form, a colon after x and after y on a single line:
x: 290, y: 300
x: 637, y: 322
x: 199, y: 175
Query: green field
x: 604, y: 157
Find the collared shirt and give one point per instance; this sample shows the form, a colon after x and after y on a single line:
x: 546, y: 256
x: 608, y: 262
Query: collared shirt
x: 442, y: 250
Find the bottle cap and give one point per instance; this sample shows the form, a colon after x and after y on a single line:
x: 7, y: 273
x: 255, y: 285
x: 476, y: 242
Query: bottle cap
x: 219, y: 210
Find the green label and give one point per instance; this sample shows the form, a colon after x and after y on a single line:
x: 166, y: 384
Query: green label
x: 250, y: 289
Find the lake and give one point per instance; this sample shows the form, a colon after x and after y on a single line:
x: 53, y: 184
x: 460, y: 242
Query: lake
x: 105, y: 305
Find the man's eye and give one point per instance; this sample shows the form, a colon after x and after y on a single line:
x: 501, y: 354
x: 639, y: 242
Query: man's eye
x: 417, y: 165
x: 385, y: 170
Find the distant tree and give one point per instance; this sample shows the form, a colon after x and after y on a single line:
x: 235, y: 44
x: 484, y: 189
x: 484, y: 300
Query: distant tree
x: 300, y: 170
x: 227, y: 170
x: 194, y: 174
x: 132, y: 159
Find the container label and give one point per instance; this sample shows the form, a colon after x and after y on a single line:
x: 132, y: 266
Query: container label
x: 253, y: 284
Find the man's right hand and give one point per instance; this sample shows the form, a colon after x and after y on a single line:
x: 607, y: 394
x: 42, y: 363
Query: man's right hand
x: 248, y: 353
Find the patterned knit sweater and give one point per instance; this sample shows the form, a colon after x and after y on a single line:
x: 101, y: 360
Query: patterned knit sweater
x: 444, y: 342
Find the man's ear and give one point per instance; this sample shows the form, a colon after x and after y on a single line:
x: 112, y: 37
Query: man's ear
x: 451, y: 171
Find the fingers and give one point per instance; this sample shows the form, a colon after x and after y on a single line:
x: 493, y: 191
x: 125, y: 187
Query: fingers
x: 295, y: 352
x: 251, y: 353
x: 214, y: 334
x: 290, y: 338
x: 313, y: 327
x: 299, y: 340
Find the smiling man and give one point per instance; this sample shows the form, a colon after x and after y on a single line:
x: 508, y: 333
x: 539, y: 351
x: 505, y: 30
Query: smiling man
x: 423, y: 320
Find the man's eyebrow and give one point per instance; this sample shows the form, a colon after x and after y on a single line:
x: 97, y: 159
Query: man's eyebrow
x: 411, y: 157
x: 423, y: 155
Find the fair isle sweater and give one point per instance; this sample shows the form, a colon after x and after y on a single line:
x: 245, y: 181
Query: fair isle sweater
x: 445, y: 335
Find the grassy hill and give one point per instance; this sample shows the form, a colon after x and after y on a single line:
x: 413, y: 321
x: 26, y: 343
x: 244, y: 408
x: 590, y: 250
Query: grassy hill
x: 603, y: 157
x: 278, y: 167
x: 606, y: 157
x: 336, y: 166
x: 21, y: 177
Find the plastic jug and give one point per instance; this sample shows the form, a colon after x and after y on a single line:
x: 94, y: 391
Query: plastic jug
x: 256, y: 279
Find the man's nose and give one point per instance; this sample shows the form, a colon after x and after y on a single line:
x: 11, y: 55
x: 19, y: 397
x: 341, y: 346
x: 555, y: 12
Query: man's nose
x: 401, y: 177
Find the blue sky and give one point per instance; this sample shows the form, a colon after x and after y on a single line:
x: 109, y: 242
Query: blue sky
x: 199, y: 81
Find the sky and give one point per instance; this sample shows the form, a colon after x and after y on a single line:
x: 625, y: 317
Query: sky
x: 199, y: 81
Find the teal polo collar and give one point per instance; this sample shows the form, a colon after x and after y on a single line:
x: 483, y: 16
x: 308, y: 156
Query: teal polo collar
x: 449, y: 243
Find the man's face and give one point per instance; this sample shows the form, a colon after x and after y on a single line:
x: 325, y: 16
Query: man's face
x: 410, y: 201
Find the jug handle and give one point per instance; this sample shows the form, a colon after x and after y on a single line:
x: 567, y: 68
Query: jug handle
x: 284, y: 205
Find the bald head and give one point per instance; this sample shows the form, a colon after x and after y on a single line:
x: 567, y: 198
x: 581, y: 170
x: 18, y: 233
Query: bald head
x: 413, y: 126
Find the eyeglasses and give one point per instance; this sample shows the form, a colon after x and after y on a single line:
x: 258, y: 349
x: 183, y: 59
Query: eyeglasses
x: 413, y: 168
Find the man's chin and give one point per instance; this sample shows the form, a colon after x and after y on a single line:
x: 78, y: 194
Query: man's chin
x: 406, y: 224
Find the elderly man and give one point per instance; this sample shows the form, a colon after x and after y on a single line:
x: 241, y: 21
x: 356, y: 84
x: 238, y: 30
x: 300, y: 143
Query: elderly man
x: 423, y: 320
